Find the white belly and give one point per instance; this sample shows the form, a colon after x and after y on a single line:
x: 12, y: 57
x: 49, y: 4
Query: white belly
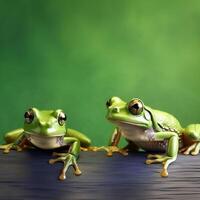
x: 136, y: 134
x: 46, y: 142
x: 142, y: 137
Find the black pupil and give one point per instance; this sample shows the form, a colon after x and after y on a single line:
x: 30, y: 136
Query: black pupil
x: 29, y: 116
x: 62, y: 117
x: 136, y: 106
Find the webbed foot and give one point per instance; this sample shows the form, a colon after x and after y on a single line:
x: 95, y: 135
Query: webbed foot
x: 165, y: 160
x: 111, y: 149
x: 7, y: 147
x: 156, y: 159
x: 90, y: 148
x: 68, y: 160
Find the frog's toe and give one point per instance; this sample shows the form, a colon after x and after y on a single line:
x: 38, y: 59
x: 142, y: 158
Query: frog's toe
x: 91, y: 148
x: 190, y: 149
x: 112, y: 149
x: 102, y: 148
x: 110, y: 154
x: 158, y: 159
x: 150, y: 156
x: 51, y: 161
x: 59, y: 159
x: 96, y: 148
x: 148, y: 162
x: 124, y: 152
x: 109, y: 150
x: 196, y: 150
x: 84, y: 149
x: 62, y: 176
x: 186, y: 152
x: 164, y: 173
x: 77, y: 171
x: 182, y: 149
x: 194, y: 153
x: 6, y: 147
x: 6, y: 151
x: 154, y: 156
x: 58, y: 154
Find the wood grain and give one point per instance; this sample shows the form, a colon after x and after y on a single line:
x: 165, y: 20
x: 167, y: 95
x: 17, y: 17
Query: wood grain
x: 27, y: 175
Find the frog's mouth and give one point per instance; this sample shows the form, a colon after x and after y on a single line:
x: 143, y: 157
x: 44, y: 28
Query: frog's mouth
x: 44, y: 141
x: 43, y: 135
x: 122, y: 123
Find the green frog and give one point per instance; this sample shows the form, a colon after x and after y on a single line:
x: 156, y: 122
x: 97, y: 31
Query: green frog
x: 151, y: 130
x: 46, y: 129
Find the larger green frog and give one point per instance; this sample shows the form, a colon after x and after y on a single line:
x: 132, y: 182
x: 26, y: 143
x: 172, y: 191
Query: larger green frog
x: 47, y: 130
x: 151, y: 130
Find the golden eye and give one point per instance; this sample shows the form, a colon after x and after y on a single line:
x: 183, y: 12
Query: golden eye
x: 29, y: 116
x: 62, y: 118
x: 135, y: 106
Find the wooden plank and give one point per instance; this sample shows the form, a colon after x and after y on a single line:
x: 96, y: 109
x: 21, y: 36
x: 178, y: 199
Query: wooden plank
x: 27, y: 175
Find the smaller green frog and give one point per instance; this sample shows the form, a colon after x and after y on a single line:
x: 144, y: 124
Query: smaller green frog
x: 151, y: 130
x: 46, y: 130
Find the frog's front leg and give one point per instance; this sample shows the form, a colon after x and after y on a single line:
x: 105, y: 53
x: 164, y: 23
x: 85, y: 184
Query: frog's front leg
x: 113, y: 145
x: 85, y: 142
x: 171, y: 154
x: 14, y: 140
x: 69, y: 158
x: 192, y: 134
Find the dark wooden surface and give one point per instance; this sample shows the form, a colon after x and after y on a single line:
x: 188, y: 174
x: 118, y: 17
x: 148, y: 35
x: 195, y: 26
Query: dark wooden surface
x: 27, y: 175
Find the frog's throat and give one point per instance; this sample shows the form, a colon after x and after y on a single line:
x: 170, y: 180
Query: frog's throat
x: 118, y: 122
x: 43, y: 135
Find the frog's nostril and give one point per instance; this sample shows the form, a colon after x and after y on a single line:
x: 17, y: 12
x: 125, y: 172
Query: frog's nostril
x: 116, y: 109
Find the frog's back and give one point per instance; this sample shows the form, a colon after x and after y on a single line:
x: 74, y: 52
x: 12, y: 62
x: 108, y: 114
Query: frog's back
x: 167, y: 121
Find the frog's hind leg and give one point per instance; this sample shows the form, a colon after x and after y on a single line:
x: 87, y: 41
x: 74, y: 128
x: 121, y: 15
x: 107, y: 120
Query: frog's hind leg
x: 191, y: 134
x: 155, y: 156
x: 158, y: 159
x: 196, y: 149
x: 192, y: 149
x: 172, y: 151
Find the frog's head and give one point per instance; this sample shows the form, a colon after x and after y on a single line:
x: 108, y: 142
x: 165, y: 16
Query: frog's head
x: 48, y: 123
x: 132, y: 113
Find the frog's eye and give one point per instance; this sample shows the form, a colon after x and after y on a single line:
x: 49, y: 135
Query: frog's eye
x: 136, y: 106
x: 62, y: 118
x: 108, y: 103
x: 29, y: 116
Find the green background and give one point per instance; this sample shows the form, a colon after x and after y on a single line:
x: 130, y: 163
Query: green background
x: 75, y: 55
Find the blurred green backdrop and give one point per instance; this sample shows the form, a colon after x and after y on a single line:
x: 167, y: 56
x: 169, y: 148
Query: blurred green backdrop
x: 75, y: 55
